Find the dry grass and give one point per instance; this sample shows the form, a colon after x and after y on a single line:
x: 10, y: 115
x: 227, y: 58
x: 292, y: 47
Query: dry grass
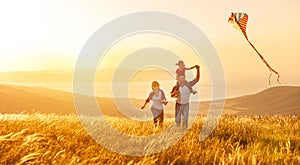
x: 53, y: 139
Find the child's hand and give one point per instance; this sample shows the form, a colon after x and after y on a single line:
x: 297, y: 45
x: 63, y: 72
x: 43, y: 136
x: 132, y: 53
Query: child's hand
x: 197, y: 67
x: 143, y: 107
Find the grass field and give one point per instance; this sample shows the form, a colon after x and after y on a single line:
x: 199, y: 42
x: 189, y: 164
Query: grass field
x: 53, y: 139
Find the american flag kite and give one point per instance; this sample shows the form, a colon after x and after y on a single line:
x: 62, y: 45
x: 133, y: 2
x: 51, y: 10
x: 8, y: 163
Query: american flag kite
x: 239, y: 21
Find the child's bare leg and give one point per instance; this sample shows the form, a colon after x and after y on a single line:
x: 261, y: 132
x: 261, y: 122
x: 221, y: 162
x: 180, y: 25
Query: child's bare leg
x: 191, y: 89
x: 174, y: 92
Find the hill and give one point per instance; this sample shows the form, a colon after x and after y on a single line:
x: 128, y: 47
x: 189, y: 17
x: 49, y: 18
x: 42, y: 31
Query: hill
x: 284, y: 100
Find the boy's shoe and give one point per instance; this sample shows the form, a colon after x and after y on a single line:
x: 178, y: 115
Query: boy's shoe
x: 175, y: 94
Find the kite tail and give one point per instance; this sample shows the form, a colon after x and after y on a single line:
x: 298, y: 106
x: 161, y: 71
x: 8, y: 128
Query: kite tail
x: 270, y: 78
x: 262, y: 58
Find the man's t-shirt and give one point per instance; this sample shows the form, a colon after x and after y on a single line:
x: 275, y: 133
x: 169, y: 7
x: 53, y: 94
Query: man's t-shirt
x: 184, y: 97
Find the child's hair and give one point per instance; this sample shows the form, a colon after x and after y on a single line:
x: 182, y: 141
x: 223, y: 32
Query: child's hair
x: 179, y: 62
x: 155, y: 83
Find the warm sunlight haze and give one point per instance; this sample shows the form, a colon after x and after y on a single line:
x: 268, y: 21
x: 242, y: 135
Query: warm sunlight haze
x: 149, y: 82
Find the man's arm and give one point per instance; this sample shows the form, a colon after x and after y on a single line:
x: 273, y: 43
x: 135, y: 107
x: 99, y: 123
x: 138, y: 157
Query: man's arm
x: 198, y: 72
x: 193, y: 82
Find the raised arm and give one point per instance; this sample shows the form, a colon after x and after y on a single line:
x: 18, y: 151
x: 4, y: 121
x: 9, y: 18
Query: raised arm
x: 193, y: 66
x: 198, y: 72
x: 193, y: 82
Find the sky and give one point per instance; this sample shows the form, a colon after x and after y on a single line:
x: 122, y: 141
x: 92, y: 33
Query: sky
x: 49, y: 34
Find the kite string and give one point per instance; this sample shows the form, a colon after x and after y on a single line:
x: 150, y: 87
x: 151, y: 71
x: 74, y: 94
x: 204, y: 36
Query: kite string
x: 262, y: 58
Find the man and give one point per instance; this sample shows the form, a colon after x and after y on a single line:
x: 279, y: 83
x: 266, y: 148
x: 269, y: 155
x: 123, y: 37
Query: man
x: 182, y: 101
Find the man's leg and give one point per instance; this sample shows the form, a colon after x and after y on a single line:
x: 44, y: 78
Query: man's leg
x: 185, y: 112
x: 177, y: 114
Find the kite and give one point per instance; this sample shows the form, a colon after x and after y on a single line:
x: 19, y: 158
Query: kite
x: 239, y: 21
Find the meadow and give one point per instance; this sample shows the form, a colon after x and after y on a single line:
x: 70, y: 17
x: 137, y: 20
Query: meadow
x: 61, y: 139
